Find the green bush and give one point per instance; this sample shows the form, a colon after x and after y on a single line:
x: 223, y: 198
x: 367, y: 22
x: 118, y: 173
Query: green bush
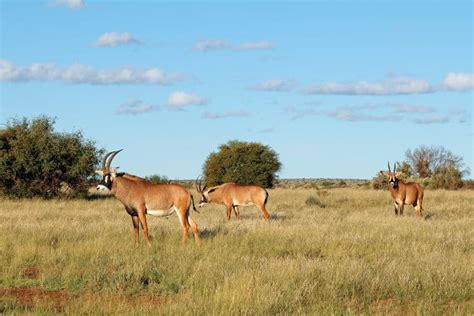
x: 379, y: 182
x: 158, y: 179
x: 446, y: 177
x: 243, y: 163
x: 36, y: 161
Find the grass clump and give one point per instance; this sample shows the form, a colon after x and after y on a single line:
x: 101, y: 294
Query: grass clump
x: 314, y: 201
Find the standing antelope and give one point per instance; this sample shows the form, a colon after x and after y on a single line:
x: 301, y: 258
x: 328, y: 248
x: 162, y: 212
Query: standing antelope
x: 233, y: 195
x: 404, y: 193
x: 141, y: 197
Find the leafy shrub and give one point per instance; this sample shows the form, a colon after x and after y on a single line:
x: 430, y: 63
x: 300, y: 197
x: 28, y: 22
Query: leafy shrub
x: 446, y: 177
x: 379, y: 182
x: 243, y: 163
x: 36, y: 161
x: 158, y: 179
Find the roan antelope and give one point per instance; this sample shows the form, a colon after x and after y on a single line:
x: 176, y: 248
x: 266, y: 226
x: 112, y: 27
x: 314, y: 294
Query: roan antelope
x: 233, y: 195
x: 141, y: 197
x: 404, y: 193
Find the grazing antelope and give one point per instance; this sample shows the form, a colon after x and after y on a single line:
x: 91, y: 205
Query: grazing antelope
x: 141, y: 197
x: 233, y: 195
x: 404, y: 193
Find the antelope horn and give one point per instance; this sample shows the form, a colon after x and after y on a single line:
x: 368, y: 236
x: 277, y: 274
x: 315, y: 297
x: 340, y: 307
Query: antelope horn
x: 394, y: 167
x: 197, y: 185
x: 105, y: 159
x: 112, y: 155
x: 389, y: 167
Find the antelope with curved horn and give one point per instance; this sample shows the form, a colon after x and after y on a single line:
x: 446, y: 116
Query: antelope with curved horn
x: 141, y: 197
x: 404, y: 193
x: 233, y: 195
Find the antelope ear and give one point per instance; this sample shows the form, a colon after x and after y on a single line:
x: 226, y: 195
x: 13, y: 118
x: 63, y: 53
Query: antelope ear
x: 384, y: 173
x: 100, y: 173
x: 212, y: 190
x: 398, y: 174
x: 113, y: 174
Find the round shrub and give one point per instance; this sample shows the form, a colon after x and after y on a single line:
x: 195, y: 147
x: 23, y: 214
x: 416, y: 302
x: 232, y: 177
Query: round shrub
x: 242, y: 163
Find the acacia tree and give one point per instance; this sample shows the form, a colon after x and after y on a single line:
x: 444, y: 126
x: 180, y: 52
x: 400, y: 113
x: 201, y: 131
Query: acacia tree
x: 36, y: 161
x: 243, y: 163
x: 425, y: 161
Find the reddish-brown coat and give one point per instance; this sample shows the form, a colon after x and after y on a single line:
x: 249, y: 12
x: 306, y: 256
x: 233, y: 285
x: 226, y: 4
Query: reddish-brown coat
x: 402, y: 193
x: 233, y: 195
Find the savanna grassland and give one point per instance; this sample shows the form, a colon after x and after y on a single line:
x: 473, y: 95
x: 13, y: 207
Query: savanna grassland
x: 333, y: 251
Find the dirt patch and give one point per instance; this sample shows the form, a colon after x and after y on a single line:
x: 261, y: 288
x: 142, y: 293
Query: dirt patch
x: 29, y: 297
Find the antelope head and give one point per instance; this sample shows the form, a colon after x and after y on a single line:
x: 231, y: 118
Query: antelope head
x: 107, y: 175
x: 202, y: 191
x: 393, y: 177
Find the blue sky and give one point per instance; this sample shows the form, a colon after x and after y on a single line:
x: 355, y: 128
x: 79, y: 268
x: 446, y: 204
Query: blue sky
x: 337, y: 88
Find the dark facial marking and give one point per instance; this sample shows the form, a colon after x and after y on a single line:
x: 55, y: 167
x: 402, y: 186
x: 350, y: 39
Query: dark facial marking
x: 106, y: 181
x: 393, y: 181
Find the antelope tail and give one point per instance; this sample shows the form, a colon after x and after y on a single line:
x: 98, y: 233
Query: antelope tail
x: 192, y: 200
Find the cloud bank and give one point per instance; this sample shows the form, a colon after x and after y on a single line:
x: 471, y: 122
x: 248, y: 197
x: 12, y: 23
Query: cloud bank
x: 82, y: 74
x: 395, y: 86
x: 399, y: 85
x: 379, y: 113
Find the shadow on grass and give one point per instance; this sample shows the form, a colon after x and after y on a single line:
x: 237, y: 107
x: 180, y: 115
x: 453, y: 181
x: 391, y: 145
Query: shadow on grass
x: 429, y: 216
x: 98, y: 196
x: 279, y: 216
x: 209, y: 233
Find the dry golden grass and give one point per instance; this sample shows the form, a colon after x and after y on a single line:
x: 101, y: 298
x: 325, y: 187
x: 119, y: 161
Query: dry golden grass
x: 346, y: 253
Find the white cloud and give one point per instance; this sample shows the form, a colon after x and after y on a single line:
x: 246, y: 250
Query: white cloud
x: 213, y: 44
x: 113, y: 39
x: 459, y: 81
x: 274, y: 85
x: 135, y: 107
x: 72, y: 4
x: 398, y: 85
x: 395, y: 85
x: 355, y: 115
x: 81, y: 74
x: 344, y: 113
x: 256, y: 45
x: 180, y: 98
x: 216, y: 116
x: 432, y: 119
x: 407, y: 108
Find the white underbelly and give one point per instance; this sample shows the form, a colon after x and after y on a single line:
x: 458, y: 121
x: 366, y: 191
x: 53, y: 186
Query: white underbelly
x: 160, y: 213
